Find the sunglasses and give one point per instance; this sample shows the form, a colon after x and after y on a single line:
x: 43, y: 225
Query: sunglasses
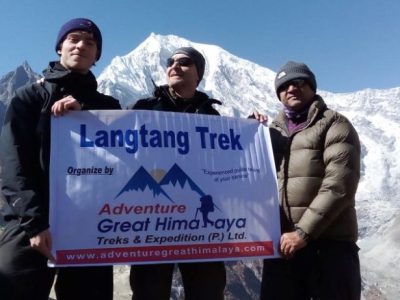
x: 182, y: 61
x: 297, y: 83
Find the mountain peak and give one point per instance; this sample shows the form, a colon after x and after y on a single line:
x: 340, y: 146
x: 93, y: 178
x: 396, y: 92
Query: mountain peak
x: 142, y: 180
x: 244, y: 86
x: 176, y: 175
x: 128, y: 78
x: 13, y: 80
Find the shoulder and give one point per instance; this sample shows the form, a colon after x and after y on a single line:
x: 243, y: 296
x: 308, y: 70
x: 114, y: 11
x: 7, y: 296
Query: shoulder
x: 211, y: 110
x: 206, y: 103
x: 339, y: 134
x: 26, y: 105
x: 334, y: 119
x: 31, y: 94
x: 328, y: 117
x: 146, y: 103
x: 111, y: 101
x: 341, y: 125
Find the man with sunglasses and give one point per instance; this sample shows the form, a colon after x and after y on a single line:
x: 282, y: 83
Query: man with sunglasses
x: 317, y: 156
x: 185, y: 70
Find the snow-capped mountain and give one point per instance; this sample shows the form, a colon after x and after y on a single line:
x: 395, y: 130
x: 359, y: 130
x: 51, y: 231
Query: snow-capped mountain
x: 10, y: 82
x: 244, y: 86
x: 176, y: 176
x: 142, y: 180
x: 15, y: 79
x: 240, y: 84
x: 174, y: 179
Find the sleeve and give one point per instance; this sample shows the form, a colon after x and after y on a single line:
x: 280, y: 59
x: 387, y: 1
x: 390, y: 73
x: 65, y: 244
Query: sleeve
x: 341, y: 157
x: 21, y: 171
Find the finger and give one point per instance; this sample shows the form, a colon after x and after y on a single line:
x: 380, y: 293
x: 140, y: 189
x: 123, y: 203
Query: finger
x: 53, y: 108
x: 49, y: 244
x: 71, y: 105
x: 50, y: 257
x: 283, y: 248
x: 56, y: 109
x: 46, y: 252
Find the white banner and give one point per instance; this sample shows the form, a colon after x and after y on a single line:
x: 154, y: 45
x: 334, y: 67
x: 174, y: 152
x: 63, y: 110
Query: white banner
x: 152, y: 187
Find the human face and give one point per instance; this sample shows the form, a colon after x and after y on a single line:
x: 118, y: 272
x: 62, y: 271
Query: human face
x: 296, y: 94
x: 78, y: 51
x: 182, y: 77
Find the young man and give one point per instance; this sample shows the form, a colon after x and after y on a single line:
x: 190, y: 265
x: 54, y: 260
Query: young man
x: 317, y: 156
x: 185, y: 69
x: 25, y: 245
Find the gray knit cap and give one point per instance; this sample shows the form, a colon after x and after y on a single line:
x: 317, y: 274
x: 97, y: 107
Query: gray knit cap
x: 197, y: 57
x: 294, y: 70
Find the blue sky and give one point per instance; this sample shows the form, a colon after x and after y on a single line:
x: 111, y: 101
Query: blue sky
x: 349, y: 44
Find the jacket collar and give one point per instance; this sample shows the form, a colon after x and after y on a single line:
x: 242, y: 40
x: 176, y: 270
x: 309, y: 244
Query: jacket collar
x: 316, y: 107
x: 199, y: 100
x: 56, y: 73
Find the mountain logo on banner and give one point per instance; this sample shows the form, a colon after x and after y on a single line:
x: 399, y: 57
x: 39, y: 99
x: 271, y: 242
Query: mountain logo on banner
x: 176, y: 175
x: 142, y: 180
x: 166, y: 183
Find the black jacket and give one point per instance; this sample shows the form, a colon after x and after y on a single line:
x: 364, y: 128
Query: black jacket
x: 164, y: 101
x: 25, y: 142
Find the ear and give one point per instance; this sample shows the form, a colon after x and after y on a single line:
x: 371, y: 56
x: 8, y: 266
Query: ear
x: 59, y: 51
x: 198, y: 79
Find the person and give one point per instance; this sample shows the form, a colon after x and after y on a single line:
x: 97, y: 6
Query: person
x: 317, y: 156
x: 185, y: 69
x: 207, y: 206
x: 25, y: 244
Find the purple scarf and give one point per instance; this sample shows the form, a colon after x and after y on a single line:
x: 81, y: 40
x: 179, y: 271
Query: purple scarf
x: 295, y: 118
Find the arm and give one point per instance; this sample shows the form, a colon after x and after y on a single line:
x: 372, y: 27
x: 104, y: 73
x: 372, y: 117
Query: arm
x: 341, y: 157
x: 62, y: 106
x: 21, y: 170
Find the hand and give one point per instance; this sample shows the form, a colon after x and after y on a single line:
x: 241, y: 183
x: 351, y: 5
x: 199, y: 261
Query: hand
x: 43, y: 243
x: 290, y: 243
x: 64, y: 105
x: 259, y: 117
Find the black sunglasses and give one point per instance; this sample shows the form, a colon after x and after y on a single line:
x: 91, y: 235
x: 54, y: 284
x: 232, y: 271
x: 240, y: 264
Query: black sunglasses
x: 182, y: 61
x: 298, y: 83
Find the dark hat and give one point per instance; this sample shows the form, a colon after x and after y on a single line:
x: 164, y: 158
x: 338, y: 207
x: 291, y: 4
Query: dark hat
x: 294, y: 70
x: 80, y: 24
x: 197, y: 57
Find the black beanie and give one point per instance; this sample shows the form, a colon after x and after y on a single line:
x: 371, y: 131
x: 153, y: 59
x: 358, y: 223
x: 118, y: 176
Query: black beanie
x: 294, y: 70
x: 197, y: 57
x: 80, y: 24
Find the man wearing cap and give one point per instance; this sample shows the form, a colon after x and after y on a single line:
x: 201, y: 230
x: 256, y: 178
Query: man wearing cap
x: 317, y: 156
x: 25, y: 244
x: 185, y: 70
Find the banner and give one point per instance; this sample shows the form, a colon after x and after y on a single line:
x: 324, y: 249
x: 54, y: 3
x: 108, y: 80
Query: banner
x: 140, y: 187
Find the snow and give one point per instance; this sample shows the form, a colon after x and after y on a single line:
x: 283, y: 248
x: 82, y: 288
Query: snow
x: 244, y: 86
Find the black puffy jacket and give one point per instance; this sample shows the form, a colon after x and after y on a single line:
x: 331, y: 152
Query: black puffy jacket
x: 25, y: 142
